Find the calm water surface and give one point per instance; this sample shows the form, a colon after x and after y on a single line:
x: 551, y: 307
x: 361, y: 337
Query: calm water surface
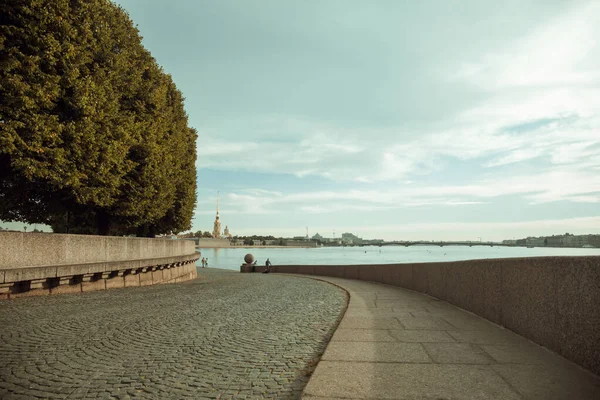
x: 232, y: 258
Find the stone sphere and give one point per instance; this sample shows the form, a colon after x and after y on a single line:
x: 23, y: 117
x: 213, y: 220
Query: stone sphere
x: 249, y: 258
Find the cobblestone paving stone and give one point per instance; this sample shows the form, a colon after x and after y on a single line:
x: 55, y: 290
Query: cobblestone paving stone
x: 227, y: 336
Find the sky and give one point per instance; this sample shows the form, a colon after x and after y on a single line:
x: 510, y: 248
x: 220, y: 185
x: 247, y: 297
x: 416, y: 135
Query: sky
x: 389, y: 119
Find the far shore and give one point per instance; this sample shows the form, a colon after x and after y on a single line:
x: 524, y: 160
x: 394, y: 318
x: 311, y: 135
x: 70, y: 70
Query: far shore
x: 268, y: 246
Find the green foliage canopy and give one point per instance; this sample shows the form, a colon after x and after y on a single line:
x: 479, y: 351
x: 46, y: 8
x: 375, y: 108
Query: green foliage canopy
x: 94, y: 137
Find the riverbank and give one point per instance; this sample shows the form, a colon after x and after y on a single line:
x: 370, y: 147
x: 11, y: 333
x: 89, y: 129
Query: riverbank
x: 255, y: 247
x: 271, y: 246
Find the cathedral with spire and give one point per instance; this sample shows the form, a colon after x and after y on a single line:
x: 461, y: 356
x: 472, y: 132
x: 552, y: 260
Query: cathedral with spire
x: 216, y: 233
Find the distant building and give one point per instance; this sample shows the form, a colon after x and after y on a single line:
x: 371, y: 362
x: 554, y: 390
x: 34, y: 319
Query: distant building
x: 316, y: 236
x: 566, y: 240
x: 535, y: 241
x: 554, y: 241
x: 576, y: 240
x: 350, y: 238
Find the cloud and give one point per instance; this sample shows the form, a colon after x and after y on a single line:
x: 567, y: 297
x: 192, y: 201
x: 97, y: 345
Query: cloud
x: 261, y: 192
x: 377, y: 157
x: 559, y: 184
x: 537, y: 106
x: 556, y: 224
x: 515, y: 156
x: 561, y: 53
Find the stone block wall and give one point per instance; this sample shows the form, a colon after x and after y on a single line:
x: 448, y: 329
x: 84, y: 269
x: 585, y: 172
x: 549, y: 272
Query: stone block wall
x: 44, y: 263
x: 553, y: 301
x: 19, y: 249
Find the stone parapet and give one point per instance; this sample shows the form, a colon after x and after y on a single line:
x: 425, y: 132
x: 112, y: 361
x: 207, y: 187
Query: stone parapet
x: 18, y: 282
x: 19, y: 249
x: 552, y: 301
x: 38, y: 263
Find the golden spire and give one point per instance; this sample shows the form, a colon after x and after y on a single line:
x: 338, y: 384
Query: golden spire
x: 217, y: 224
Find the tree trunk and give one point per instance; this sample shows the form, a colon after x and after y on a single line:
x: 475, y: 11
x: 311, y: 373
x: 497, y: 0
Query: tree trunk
x: 151, y: 231
x: 102, y: 222
x: 146, y: 230
x: 141, y: 230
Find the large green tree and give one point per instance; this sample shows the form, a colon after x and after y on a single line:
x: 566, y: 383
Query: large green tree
x: 93, y: 134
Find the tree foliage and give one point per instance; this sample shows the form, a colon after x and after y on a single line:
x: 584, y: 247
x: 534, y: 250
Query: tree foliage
x: 94, y: 137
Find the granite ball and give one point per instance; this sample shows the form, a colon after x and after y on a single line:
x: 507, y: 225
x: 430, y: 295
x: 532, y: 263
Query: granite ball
x: 249, y: 258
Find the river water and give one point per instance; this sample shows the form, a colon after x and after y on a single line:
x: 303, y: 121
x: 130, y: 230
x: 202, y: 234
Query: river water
x: 232, y: 258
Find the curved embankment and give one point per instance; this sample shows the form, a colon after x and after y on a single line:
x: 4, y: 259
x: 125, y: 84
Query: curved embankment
x: 552, y: 301
x: 401, y: 344
x: 44, y: 263
x: 225, y: 336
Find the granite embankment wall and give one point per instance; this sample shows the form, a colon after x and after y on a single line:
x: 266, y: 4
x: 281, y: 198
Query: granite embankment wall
x: 553, y: 301
x: 45, y: 263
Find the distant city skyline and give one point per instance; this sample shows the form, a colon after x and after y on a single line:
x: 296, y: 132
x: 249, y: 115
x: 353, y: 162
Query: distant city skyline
x: 393, y: 120
x: 449, y: 232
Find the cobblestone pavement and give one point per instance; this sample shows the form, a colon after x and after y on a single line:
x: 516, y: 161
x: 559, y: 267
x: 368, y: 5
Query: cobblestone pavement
x: 230, y: 335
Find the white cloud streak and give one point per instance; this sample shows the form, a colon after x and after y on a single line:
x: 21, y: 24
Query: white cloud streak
x: 559, y: 184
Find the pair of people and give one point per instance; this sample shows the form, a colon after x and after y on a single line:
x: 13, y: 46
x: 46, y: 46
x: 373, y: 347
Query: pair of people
x: 204, y: 262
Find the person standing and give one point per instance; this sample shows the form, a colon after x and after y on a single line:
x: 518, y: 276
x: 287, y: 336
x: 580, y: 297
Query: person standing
x: 267, y: 266
x: 203, y: 262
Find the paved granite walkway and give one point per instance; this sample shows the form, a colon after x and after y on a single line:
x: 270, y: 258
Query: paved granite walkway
x: 398, y: 344
x: 228, y: 336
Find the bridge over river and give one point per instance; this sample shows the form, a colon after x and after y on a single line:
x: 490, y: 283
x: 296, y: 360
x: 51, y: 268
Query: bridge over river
x: 442, y: 244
